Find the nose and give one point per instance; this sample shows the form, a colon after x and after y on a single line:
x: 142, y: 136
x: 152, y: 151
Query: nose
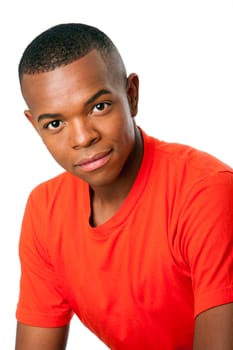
x: 81, y: 133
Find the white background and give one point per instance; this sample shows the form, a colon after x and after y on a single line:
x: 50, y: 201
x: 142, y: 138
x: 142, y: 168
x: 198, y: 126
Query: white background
x: 183, y: 53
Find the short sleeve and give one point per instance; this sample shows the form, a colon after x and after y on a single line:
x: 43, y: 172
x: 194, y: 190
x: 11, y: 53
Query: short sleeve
x: 207, y: 240
x: 41, y: 300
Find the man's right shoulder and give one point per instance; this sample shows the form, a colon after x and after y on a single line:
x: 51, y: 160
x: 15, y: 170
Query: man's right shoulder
x: 59, y: 186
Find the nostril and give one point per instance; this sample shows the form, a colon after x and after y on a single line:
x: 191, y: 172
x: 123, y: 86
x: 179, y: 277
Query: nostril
x: 84, y: 142
x: 81, y: 133
x: 93, y: 141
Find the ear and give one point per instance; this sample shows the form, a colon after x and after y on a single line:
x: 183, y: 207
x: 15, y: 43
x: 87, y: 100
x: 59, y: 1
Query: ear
x: 132, y: 93
x: 30, y: 118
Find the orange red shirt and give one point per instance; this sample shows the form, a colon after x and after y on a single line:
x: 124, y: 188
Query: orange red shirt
x: 138, y: 280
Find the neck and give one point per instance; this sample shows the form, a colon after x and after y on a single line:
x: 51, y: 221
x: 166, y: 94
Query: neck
x: 108, y: 199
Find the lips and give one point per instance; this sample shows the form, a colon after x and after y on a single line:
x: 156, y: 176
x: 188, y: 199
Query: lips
x: 95, y: 162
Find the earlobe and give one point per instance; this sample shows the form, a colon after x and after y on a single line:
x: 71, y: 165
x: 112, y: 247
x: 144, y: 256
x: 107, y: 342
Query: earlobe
x: 132, y: 93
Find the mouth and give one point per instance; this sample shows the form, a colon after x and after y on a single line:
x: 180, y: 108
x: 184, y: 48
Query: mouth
x: 95, y: 162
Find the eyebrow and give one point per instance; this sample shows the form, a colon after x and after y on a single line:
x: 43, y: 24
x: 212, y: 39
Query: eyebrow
x: 96, y: 95
x: 48, y: 116
x: 90, y: 100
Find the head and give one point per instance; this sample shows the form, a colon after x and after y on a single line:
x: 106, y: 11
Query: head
x: 64, y: 44
x: 80, y: 100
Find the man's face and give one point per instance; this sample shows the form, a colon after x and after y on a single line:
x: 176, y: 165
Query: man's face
x: 84, y: 115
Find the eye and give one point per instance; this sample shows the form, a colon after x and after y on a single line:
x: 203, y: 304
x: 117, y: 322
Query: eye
x: 100, y: 107
x: 54, y: 124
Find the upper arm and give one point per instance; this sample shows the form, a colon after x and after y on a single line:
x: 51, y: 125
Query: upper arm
x: 37, y: 338
x: 42, y: 301
x: 214, y: 329
x: 207, y: 241
x: 208, y: 250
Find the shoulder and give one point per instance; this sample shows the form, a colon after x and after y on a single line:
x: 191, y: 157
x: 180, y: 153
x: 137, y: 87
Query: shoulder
x: 60, y: 183
x: 184, y: 164
x: 59, y: 190
x: 48, y: 204
x: 197, y: 187
x: 190, y: 157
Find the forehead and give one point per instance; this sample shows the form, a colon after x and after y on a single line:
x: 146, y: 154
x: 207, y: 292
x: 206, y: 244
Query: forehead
x: 82, y: 76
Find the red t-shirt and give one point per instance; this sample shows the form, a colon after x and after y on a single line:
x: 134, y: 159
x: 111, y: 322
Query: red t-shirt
x: 138, y: 280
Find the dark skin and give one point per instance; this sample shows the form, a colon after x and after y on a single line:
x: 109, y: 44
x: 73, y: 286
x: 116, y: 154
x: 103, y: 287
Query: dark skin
x: 84, y: 114
x: 37, y: 338
x: 214, y: 329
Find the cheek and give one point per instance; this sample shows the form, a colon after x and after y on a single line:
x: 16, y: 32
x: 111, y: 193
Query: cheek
x: 126, y: 128
x: 121, y: 124
x: 56, y: 146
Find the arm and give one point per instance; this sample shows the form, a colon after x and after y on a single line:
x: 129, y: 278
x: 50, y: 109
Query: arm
x: 214, y: 329
x: 208, y: 249
x: 41, y: 300
x: 37, y: 338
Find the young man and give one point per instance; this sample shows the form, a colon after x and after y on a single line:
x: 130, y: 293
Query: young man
x: 136, y: 236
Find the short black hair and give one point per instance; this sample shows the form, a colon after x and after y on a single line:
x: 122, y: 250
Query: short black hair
x: 64, y: 43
